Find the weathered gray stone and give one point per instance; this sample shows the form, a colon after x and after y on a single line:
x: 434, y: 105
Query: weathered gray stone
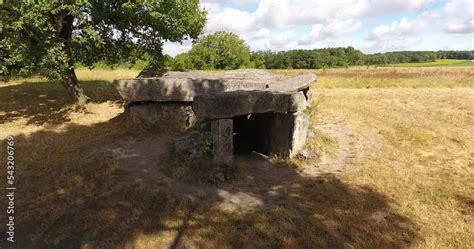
x: 282, y: 134
x: 222, y: 132
x: 190, y: 145
x: 292, y: 84
x: 237, y: 103
x: 270, y: 106
x: 308, y: 96
x: 285, y: 133
x: 162, y: 117
x: 299, y: 133
x: 184, y: 86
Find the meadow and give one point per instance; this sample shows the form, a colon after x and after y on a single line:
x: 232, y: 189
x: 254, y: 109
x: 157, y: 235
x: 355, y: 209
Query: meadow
x: 406, y: 135
x: 438, y: 63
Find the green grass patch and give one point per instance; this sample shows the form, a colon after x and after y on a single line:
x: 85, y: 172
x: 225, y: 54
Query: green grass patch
x: 437, y: 63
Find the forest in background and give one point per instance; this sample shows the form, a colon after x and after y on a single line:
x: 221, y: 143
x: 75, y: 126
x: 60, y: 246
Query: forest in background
x: 301, y: 59
x: 225, y: 51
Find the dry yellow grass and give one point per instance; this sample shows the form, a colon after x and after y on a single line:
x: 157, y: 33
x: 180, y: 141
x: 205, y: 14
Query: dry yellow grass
x: 417, y: 149
x: 408, y: 185
x: 386, y: 77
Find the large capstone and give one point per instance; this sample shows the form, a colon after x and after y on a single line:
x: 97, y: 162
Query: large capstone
x: 184, y: 86
x: 231, y: 104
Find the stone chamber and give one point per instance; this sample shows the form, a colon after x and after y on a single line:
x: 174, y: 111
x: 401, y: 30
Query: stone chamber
x: 240, y: 111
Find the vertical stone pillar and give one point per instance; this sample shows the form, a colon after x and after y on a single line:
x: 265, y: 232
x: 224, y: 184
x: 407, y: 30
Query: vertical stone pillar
x: 300, y: 131
x: 286, y: 133
x: 222, y: 131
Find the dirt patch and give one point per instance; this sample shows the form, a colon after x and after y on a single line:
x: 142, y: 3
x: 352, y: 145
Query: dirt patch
x: 260, y: 178
x: 347, y: 143
x: 146, y: 158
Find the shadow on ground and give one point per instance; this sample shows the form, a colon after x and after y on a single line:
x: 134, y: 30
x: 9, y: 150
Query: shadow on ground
x: 70, y: 195
x: 50, y: 100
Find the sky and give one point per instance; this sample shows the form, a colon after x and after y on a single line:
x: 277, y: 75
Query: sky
x: 369, y: 25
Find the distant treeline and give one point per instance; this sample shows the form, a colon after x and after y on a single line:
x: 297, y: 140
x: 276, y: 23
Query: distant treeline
x: 209, y: 59
x: 308, y: 59
x: 317, y: 58
x: 416, y: 56
x: 344, y: 57
x: 223, y: 50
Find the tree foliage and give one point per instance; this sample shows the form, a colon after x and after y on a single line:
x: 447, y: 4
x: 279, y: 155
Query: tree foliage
x: 47, y: 37
x: 220, y: 50
x: 204, y: 57
x: 416, y: 56
x: 315, y: 58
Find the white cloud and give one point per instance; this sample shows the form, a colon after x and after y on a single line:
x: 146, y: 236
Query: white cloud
x: 279, y: 24
x: 460, y: 27
x: 462, y: 8
x: 232, y: 20
x: 174, y: 48
x: 262, y: 34
x: 321, y: 32
x: 238, y: 2
x: 400, y: 35
x: 407, y: 43
x: 283, y: 14
x: 402, y: 28
x: 328, y: 19
x: 387, y: 7
x: 280, y: 41
x: 246, y: 2
x: 459, y: 17
x: 290, y: 13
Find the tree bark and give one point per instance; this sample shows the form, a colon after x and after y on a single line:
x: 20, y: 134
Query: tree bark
x: 70, y: 82
x: 74, y: 89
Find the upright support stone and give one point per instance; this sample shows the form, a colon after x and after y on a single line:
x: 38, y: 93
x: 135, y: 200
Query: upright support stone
x: 222, y: 131
x: 300, y: 131
x: 285, y: 134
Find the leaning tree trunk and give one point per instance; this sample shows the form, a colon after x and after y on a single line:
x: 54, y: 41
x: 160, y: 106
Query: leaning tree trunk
x: 74, y: 90
x: 70, y: 82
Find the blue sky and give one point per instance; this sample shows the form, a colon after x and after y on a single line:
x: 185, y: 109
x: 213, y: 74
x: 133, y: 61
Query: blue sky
x: 369, y: 25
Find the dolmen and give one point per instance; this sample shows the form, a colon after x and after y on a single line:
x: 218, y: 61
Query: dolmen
x: 238, y: 111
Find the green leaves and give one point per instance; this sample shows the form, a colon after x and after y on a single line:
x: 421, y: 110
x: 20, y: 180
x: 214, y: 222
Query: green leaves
x: 220, y: 50
x: 50, y: 36
x: 54, y: 63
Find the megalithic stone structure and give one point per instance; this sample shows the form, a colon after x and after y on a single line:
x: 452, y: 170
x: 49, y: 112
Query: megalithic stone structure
x: 253, y: 110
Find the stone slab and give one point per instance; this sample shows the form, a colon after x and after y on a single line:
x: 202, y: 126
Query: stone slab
x: 299, y: 133
x: 293, y: 84
x: 222, y: 141
x: 237, y: 103
x: 282, y: 134
x: 161, y: 117
x: 190, y: 145
x: 184, y: 86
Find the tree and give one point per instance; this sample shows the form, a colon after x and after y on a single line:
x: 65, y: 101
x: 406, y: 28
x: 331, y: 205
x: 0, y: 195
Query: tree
x: 48, y: 37
x: 258, y: 59
x: 220, y: 50
x: 181, y: 62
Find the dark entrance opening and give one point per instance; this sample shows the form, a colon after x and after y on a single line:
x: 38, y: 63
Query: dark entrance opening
x: 251, y: 133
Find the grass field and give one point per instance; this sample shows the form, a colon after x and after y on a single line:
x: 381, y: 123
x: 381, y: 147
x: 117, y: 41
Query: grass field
x: 409, y: 183
x: 437, y: 63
